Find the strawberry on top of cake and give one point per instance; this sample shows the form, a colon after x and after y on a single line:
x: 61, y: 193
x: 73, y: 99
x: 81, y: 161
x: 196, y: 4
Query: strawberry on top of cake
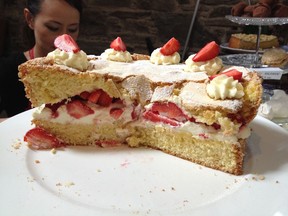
x: 205, y: 60
x: 117, y: 52
x: 225, y: 85
x: 68, y: 53
x: 167, y: 54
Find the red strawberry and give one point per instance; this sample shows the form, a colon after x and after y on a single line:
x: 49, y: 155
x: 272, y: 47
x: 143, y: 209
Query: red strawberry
x: 38, y: 138
x: 149, y: 115
x: 208, y: 52
x: 118, y: 45
x: 94, y: 96
x: 66, y: 43
x: 169, y: 110
x: 104, y: 99
x: 170, y: 47
x: 77, y: 109
x: 84, y: 95
x: 54, y: 108
x: 116, y: 113
x: 237, y: 75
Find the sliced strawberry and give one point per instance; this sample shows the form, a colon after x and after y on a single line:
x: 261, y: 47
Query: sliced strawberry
x: 84, y: 95
x: 149, y: 115
x: 104, y: 99
x: 169, y: 110
x: 237, y: 75
x: 66, y: 43
x: 78, y: 109
x: 170, y: 47
x: 208, y: 52
x: 54, y: 108
x: 118, y: 44
x: 116, y: 113
x: 94, y: 96
x: 38, y: 138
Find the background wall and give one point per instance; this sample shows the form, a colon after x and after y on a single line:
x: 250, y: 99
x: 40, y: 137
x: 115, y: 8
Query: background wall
x: 136, y: 21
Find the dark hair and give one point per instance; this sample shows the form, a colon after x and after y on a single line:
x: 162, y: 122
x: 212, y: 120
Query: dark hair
x: 34, y: 6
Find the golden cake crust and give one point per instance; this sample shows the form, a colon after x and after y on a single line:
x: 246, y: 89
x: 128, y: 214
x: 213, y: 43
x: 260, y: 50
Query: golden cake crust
x: 248, y: 41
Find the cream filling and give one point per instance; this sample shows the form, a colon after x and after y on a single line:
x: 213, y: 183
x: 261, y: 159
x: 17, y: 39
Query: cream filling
x: 101, y: 116
x: 198, y: 131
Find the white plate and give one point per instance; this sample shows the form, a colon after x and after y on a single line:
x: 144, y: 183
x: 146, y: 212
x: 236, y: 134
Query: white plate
x: 126, y: 181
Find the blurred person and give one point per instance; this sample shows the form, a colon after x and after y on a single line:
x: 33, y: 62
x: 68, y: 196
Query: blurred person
x: 45, y: 20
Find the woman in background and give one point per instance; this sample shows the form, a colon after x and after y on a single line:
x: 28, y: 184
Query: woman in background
x: 45, y: 19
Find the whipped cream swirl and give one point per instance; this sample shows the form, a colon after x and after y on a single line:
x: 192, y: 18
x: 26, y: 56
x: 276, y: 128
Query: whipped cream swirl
x: 158, y: 58
x: 119, y: 56
x: 211, y: 67
x: 222, y: 87
x: 75, y: 60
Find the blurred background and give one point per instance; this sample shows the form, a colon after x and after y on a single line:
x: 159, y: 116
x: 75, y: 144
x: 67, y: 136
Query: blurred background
x: 142, y: 24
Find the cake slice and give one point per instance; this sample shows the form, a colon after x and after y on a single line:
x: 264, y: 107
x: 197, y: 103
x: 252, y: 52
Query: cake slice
x: 118, y: 98
x: 248, y: 41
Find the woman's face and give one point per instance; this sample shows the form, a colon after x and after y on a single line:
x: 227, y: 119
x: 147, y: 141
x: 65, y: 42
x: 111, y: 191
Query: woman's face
x: 56, y: 17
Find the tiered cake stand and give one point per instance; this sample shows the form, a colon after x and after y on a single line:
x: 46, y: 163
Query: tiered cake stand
x: 253, y: 60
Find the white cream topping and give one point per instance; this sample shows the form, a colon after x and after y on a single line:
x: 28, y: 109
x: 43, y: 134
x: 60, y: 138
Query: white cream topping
x: 159, y: 59
x: 222, y: 87
x: 210, y: 67
x: 75, y: 60
x: 118, y: 56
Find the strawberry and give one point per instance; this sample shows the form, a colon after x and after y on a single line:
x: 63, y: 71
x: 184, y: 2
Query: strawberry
x: 104, y: 99
x: 208, y: 52
x: 84, y: 95
x: 54, y: 108
x: 149, y: 115
x: 169, y: 110
x: 118, y: 44
x: 170, y: 47
x: 66, y: 43
x: 78, y: 109
x: 94, y: 96
x: 237, y: 75
x: 116, y: 113
x: 38, y: 138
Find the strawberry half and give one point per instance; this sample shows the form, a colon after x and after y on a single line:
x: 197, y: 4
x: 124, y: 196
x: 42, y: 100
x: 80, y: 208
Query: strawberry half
x: 169, y: 110
x: 118, y: 44
x: 38, y: 138
x: 208, y: 52
x: 170, y: 47
x: 77, y: 109
x: 104, y: 99
x: 94, y: 96
x: 237, y: 75
x: 116, y: 113
x: 66, y: 43
x: 149, y: 115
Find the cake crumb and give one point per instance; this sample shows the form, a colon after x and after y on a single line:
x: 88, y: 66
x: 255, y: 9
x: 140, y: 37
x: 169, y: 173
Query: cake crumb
x: 37, y: 161
x: 257, y: 177
x: 17, y: 144
x: 69, y: 184
x: 53, y: 151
